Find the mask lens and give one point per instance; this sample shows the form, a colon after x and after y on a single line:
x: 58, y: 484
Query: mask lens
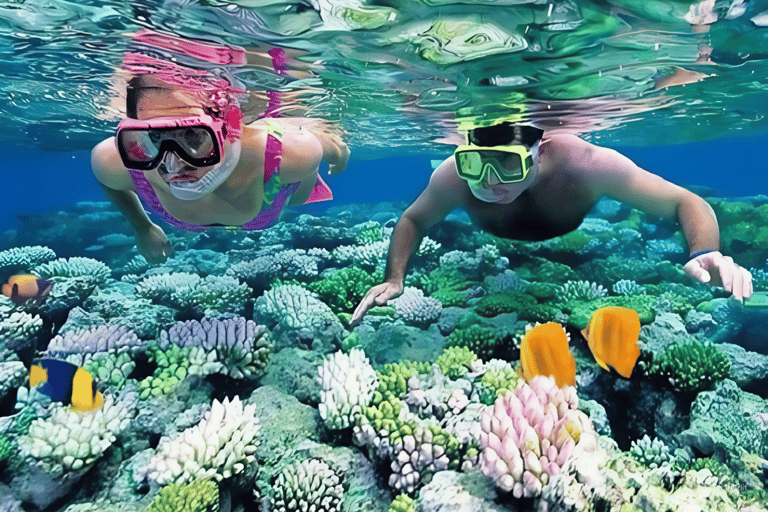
x: 469, y: 164
x: 195, y: 141
x: 139, y: 145
x: 508, y: 166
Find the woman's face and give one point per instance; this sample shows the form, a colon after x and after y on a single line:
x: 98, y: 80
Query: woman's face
x: 165, y: 102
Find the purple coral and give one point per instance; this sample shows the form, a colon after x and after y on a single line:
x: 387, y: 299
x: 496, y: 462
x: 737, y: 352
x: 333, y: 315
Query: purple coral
x: 529, y: 434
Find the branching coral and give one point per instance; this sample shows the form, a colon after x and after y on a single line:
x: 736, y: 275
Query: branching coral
x: 241, y: 346
x: 402, y: 503
x: 454, y: 361
x: 652, y: 454
x: 308, y: 485
x: 197, y: 496
x: 219, y: 447
x: 347, y: 384
x: 691, y: 366
x: 344, y: 289
x: 98, y: 339
x: 529, y: 434
x: 18, y: 329
x: 73, y: 440
x: 174, y: 364
x: 219, y: 294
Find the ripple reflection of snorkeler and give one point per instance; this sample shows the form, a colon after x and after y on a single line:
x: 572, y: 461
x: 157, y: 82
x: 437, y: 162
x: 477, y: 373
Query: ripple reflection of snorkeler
x: 519, y: 183
x: 184, y: 150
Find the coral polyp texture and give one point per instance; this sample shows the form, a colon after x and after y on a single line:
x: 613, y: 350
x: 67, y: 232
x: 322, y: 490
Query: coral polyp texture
x: 70, y: 440
x: 218, y: 447
x: 348, y: 382
x: 528, y: 434
x: 308, y: 485
x: 197, y: 496
x: 413, y: 307
x: 242, y: 347
x: 18, y: 259
x: 90, y: 341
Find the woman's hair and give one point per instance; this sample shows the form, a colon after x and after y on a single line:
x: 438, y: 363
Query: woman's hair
x: 504, y: 133
x: 212, y: 101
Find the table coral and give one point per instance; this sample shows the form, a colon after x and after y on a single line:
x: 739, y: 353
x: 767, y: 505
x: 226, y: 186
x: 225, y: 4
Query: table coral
x: 529, y: 434
x: 75, y: 267
x: 23, y: 259
x: 218, y: 447
x: 308, y: 485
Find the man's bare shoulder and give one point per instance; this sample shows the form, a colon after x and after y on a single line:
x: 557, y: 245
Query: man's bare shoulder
x: 108, y: 167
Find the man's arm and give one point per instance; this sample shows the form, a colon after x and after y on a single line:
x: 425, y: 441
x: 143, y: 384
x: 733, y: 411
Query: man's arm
x: 610, y: 173
x: 445, y: 192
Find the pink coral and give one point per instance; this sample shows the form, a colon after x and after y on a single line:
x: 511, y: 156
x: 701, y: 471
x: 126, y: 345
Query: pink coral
x: 528, y: 434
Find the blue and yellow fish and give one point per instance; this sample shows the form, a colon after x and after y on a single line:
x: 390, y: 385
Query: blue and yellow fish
x: 66, y: 383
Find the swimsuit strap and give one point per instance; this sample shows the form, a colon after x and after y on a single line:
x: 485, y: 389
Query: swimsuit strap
x: 278, y: 64
x: 148, y: 196
x: 275, y: 194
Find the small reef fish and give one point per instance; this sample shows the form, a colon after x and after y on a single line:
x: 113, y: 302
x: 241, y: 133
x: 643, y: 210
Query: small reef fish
x: 544, y: 351
x: 612, y: 336
x: 66, y: 383
x: 23, y: 287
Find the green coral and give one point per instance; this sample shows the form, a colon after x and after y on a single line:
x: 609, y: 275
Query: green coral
x: 499, y: 380
x: 526, y: 307
x: 111, y: 368
x: 446, y: 283
x: 350, y: 342
x: 213, y: 294
x: 692, y: 366
x: 454, y: 361
x: 651, y: 453
x: 343, y: 290
x: 581, y: 311
x: 402, y: 503
x: 482, y: 341
x: 369, y: 232
x: 172, y: 368
x: 197, y: 496
x: 6, y: 448
x: 541, y: 269
x: 393, y: 377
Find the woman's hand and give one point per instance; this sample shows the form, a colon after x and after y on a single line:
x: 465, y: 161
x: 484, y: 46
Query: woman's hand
x: 153, y: 244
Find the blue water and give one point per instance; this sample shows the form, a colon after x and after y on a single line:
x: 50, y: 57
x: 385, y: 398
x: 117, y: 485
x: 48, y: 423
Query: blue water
x: 43, y: 182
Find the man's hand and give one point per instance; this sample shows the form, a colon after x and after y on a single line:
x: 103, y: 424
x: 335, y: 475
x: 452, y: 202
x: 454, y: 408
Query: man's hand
x: 719, y: 270
x: 153, y: 244
x: 378, y: 295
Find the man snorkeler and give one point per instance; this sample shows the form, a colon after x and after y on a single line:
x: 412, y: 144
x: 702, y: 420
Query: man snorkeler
x: 184, y: 150
x: 519, y: 183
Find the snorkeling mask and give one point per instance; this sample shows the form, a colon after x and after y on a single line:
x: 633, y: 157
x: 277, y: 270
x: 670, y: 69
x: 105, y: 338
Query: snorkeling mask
x: 510, y: 163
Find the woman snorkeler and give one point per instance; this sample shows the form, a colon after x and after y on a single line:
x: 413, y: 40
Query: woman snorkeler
x: 184, y: 150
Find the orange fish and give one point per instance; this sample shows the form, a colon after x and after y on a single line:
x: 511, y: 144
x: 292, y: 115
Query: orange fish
x: 612, y: 336
x: 544, y: 351
x: 23, y: 287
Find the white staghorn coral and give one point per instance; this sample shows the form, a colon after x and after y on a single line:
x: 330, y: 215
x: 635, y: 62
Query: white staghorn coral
x: 73, y: 440
x: 348, y: 383
x: 308, y: 485
x: 218, y: 447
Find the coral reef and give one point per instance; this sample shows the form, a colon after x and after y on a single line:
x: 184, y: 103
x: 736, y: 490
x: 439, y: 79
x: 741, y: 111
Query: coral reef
x: 530, y: 433
x: 348, y: 382
x: 308, y: 485
x: 218, y: 447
